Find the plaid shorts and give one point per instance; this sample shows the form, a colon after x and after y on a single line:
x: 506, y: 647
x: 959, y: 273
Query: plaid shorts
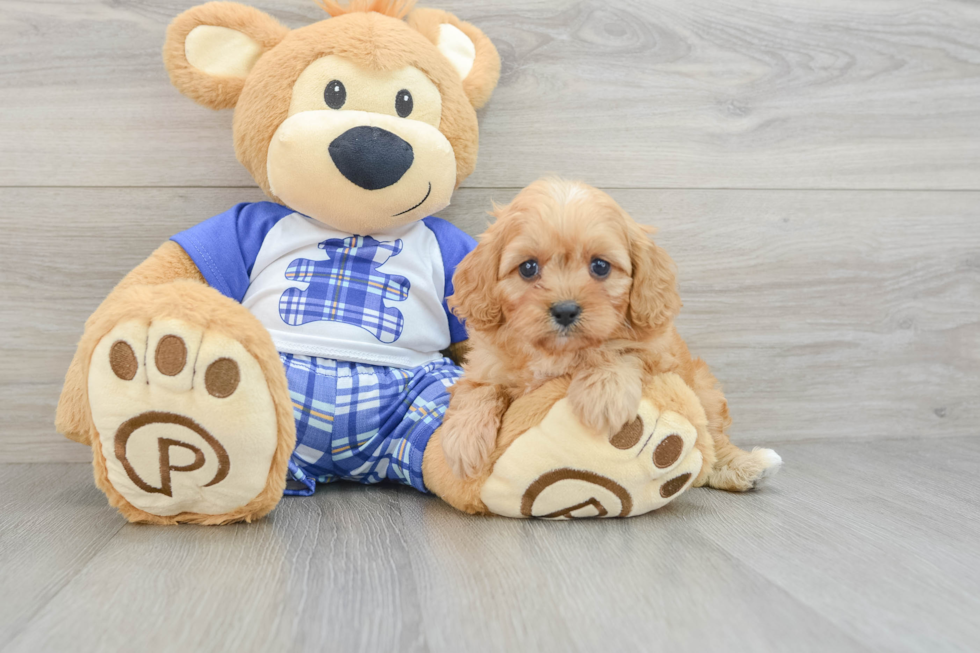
x: 363, y: 423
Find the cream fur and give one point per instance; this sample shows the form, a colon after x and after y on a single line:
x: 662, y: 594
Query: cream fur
x: 309, y: 182
x: 221, y: 51
x: 458, y: 48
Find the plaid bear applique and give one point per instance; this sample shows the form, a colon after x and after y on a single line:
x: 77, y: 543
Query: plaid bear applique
x: 348, y: 287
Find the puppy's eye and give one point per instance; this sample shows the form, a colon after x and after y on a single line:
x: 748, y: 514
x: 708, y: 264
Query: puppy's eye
x: 600, y: 269
x: 335, y: 94
x: 528, y: 269
x: 404, y: 103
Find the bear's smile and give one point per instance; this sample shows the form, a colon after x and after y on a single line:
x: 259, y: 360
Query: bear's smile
x: 427, y: 193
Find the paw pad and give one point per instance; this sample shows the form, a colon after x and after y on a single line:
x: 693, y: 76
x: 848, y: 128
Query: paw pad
x: 559, y: 469
x: 185, y: 418
x: 668, y: 451
x: 674, y: 485
x: 122, y: 360
x: 171, y: 355
x: 222, y: 378
x: 629, y: 435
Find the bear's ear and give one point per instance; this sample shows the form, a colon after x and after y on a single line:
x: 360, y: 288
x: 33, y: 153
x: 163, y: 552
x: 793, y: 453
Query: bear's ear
x: 211, y: 48
x: 467, y: 48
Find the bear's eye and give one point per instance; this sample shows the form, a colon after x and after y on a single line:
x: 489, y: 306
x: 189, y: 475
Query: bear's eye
x: 528, y: 269
x: 335, y: 94
x: 600, y: 269
x: 404, y: 103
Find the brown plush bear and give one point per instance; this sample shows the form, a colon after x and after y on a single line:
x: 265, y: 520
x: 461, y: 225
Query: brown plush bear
x: 300, y: 339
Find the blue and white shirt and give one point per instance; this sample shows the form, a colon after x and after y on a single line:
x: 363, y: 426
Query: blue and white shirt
x: 378, y: 299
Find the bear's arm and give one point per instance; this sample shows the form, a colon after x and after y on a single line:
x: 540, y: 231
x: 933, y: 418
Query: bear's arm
x: 167, y: 264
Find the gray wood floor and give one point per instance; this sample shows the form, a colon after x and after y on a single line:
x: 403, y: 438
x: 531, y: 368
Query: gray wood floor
x: 813, y: 168
x: 855, y: 546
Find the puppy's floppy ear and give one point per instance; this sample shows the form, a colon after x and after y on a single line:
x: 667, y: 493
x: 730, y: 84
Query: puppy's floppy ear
x: 468, y: 49
x: 653, y: 298
x: 475, y: 298
x: 211, y: 48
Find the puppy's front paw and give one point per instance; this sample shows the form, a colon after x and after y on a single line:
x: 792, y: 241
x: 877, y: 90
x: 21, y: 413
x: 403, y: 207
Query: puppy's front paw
x: 605, y: 403
x: 468, y: 438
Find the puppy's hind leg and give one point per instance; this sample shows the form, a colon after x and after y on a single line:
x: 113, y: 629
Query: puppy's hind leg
x: 734, y: 469
x: 737, y: 470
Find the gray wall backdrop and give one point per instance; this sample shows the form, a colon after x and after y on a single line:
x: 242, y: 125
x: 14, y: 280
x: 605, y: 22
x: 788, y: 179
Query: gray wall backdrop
x: 814, y: 169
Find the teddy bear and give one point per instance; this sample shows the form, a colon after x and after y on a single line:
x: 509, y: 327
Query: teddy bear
x: 290, y: 343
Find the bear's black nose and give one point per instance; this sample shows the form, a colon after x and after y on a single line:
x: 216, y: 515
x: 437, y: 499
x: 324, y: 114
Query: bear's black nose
x: 371, y: 157
x: 566, y: 313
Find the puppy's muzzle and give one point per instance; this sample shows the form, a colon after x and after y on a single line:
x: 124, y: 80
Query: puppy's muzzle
x: 371, y: 157
x: 566, y: 313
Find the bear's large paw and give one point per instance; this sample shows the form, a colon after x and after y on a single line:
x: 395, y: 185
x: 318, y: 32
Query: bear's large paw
x: 559, y: 469
x: 185, y: 418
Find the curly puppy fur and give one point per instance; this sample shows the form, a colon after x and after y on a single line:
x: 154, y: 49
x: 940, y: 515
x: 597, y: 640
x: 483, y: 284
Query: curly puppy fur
x: 622, y: 337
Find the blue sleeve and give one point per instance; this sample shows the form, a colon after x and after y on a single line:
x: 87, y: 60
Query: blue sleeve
x: 454, y: 243
x: 225, y: 247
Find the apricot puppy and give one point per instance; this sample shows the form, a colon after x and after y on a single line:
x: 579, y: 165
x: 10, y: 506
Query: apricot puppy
x: 566, y: 283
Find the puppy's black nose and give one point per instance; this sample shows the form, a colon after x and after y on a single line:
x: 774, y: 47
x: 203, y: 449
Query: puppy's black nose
x: 371, y: 157
x: 566, y: 313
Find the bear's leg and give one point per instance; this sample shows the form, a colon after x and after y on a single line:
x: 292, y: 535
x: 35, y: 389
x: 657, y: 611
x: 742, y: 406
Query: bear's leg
x: 364, y: 423
x: 548, y: 464
x: 191, y: 415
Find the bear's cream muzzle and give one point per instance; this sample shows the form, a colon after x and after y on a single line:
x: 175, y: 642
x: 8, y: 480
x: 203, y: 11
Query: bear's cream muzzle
x: 361, y: 172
